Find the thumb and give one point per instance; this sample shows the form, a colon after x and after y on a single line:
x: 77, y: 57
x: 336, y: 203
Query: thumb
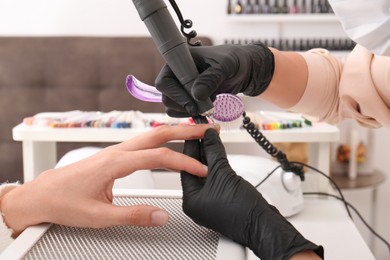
x: 189, y: 182
x: 207, y: 83
x: 173, y: 92
x: 140, y: 215
x: 213, y: 148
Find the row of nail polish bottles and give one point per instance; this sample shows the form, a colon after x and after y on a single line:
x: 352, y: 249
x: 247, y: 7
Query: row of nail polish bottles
x: 331, y: 44
x: 278, y: 7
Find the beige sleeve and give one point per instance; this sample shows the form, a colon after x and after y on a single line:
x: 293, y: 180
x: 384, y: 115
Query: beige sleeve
x: 357, y: 87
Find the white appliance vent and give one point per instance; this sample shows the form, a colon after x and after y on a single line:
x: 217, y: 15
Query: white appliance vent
x: 180, y: 239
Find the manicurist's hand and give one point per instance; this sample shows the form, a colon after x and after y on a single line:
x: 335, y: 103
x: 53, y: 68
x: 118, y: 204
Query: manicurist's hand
x: 229, y: 68
x: 80, y: 194
x: 228, y: 204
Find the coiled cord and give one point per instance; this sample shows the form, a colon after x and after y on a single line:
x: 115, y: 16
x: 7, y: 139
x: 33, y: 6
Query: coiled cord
x: 280, y: 156
x: 185, y: 24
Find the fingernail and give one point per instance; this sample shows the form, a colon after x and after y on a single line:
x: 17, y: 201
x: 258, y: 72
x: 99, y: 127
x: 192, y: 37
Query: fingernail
x: 217, y: 127
x: 159, y: 218
x: 206, y: 169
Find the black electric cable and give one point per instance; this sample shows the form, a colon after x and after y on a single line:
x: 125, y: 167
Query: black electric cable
x: 357, y: 213
x: 341, y: 198
x: 268, y: 175
x: 331, y: 180
x: 185, y: 24
x: 314, y: 169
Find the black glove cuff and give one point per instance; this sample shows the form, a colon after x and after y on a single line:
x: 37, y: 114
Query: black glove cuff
x: 275, y: 238
x: 262, y: 71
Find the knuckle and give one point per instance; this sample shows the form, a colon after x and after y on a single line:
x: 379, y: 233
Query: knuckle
x: 135, y: 216
x: 161, y: 132
x: 164, y: 152
x: 110, y: 156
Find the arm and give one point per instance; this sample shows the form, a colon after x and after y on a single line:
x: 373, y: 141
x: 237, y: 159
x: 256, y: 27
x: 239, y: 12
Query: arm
x: 356, y: 87
x: 315, y: 83
x: 289, y: 79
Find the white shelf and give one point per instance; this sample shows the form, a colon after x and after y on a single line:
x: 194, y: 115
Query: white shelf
x: 282, y: 18
x: 40, y: 143
x: 320, y: 132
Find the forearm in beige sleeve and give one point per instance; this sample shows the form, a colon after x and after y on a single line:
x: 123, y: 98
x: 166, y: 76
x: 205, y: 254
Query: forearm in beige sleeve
x: 357, y: 88
x: 320, y: 98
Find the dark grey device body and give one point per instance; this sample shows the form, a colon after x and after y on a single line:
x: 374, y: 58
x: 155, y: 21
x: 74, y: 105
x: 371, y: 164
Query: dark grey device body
x: 171, y: 44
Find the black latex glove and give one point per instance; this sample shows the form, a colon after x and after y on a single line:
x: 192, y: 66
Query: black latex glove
x: 229, y: 68
x: 230, y: 205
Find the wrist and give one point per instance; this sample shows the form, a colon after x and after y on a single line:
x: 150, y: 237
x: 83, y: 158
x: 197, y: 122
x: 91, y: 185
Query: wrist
x: 273, y: 237
x: 16, y: 208
x: 6, y: 230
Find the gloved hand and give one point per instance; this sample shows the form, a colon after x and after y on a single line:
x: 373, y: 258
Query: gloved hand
x: 228, y: 204
x: 226, y: 68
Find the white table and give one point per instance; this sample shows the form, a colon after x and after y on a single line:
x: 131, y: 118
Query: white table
x: 39, y: 143
x: 322, y: 221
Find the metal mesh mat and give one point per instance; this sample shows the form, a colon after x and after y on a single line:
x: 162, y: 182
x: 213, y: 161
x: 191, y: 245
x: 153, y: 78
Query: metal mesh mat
x: 180, y: 239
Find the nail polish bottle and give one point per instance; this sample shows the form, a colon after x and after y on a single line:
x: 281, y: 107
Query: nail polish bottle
x: 248, y: 7
x: 302, y: 8
x: 309, y: 44
x: 324, y: 6
x: 256, y: 7
x: 302, y: 46
x: 326, y: 44
x: 294, y: 7
x: 265, y: 8
x: 238, y: 7
x: 273, y: 43
x: 275, y: 9
x: 294, y: 46
x: 284, y: 9
x: 229, y: 7
x: 312, y: 6
x: 316, y: 7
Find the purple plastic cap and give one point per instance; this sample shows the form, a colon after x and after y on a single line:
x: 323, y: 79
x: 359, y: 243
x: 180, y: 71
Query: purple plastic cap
x: 142, y: 91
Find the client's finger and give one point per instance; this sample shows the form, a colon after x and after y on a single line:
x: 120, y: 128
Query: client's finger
x: 140, y: 215
x: 163, y: 134
x: 160, y: 158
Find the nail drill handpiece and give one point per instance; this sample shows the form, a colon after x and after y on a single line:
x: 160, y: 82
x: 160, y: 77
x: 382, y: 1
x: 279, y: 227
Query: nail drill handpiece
x: 171, y: 45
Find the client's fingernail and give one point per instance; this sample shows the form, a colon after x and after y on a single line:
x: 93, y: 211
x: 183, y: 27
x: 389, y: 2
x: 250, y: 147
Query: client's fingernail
x: 206, y: 169
x: 159, y: 218
x: 217, y: 127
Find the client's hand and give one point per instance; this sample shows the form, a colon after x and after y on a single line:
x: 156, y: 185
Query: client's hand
x: 228, y: 68
x: 80, y: 194
x: 230, y: 205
